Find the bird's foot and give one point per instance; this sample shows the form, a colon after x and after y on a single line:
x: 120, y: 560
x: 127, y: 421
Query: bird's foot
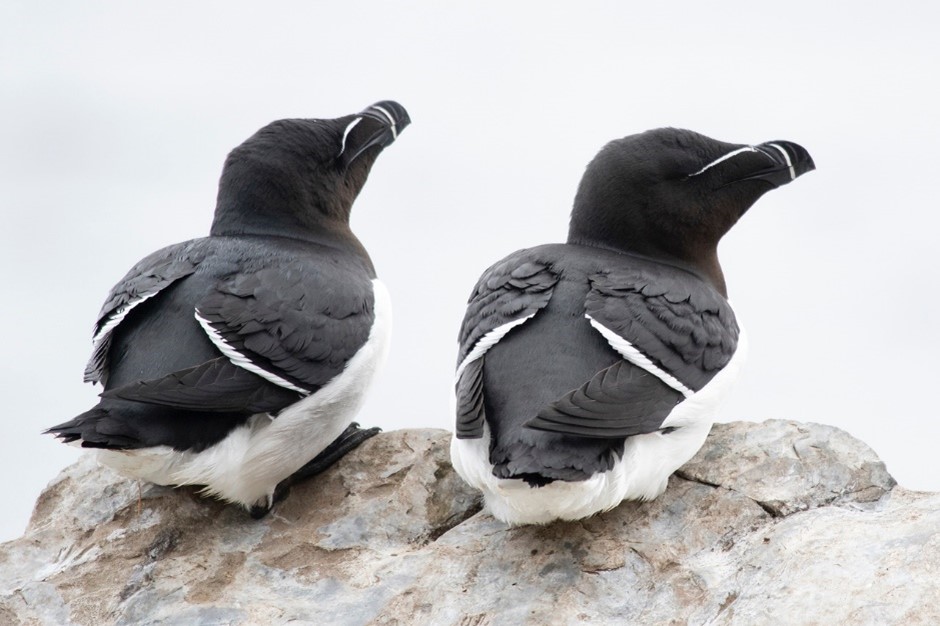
x: 351, y: 438
x: 348, y: 441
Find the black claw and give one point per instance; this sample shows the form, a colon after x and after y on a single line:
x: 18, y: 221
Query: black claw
x: 280, y: 492
x: 258, y: 511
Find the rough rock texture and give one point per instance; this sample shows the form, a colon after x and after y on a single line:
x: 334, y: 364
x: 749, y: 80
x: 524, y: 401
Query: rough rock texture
x: 771, y: 523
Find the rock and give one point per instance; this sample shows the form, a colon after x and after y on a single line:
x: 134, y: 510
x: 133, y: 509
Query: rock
x: 777, y: 522
x: 787, y: 467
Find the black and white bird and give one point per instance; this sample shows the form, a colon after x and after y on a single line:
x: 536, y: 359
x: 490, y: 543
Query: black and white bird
x: 590, y: 371
x: 234, y: 360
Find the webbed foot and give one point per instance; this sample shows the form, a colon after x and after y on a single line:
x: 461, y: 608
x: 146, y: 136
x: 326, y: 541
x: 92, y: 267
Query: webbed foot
x: 349, y: 440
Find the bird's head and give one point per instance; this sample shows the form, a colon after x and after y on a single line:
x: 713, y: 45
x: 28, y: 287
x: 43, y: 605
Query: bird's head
x: 300, y: 175
x: 672, y: 194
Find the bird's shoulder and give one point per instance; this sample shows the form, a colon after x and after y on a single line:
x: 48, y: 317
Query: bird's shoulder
x: 246, y: 285
x: 296, y: 309
x: 152, y: 274
x: 671, y: 316
x: 147, y: 278
x: 232, y: 260
x: 512, y: 289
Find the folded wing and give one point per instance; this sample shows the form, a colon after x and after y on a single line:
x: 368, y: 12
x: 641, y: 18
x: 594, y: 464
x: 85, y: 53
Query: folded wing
x: 282, y: 332
x: 674, y: 334
x: 508, y: 294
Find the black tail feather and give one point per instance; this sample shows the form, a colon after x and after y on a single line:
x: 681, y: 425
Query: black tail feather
x: 87, y: 428
x: 122, y: 425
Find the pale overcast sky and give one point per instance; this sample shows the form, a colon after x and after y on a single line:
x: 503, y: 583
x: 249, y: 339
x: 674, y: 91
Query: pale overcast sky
x: 115, y: 119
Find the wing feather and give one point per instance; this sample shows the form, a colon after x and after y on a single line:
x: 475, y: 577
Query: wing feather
x: 680, y: 324
x: 149, y: 277
x: 297, y: 322
x: 509, y: 293
x: 674, y: 332
x: 216, y: 385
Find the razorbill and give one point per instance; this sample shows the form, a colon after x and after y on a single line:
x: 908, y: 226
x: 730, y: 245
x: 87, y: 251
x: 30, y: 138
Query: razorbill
x: 590, y: 371
x: 238, y: 360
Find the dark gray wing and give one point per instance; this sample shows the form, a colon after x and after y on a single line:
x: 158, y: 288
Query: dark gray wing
x: 674, y: 332
x: 216, y: 385
x: 679, y: 322
x: 296, y: 324
x: 149, y: 277
x: 507, y: 294
x: 470, y: 411
x: 619, y: 401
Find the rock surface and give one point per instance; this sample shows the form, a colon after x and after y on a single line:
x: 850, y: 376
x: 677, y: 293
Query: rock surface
x: 778, y: 522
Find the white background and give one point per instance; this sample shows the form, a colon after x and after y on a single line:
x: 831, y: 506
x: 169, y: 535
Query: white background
x: 115, y: 119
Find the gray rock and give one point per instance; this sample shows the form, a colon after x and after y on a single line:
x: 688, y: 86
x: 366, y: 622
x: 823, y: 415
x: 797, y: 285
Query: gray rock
x: 787, y: 467
x: 777, y: 522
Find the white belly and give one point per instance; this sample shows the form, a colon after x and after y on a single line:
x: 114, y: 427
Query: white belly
x: 247, y: 465
x: 640, y: 474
